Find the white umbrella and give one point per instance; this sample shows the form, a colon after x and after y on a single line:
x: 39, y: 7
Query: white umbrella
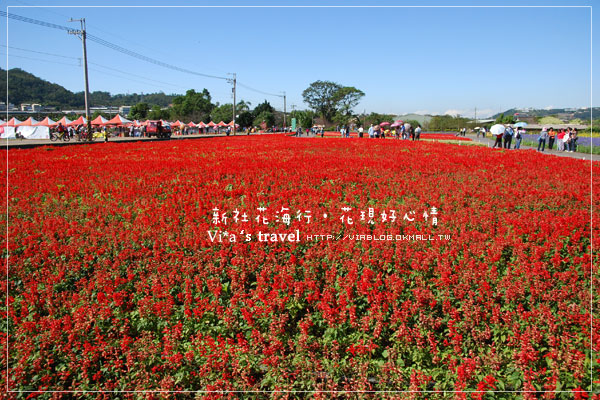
x: 497, y: 129
x: 521, y: 124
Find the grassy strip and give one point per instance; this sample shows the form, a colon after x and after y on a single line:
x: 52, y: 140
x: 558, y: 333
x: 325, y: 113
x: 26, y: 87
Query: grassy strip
x: 580, y: 149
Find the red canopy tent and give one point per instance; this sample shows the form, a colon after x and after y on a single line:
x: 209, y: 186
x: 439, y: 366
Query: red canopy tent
x: 79, y: 121
x: 118, y: 120
x: 12, y: 122
x: 221, y: 124
x: 192, y: 124
x: 201, y: 124
x: 211, y: 124
x: 47, y: 122
x: 178, y: 123
x: 99, y: 120
x: 28, y: 122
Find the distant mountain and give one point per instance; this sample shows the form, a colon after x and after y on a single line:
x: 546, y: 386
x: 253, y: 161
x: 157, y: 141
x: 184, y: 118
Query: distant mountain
x: 24, y: 87
x: 562, y: 113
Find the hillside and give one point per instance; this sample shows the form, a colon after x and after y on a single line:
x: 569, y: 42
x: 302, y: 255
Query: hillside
x: 24, y: 87
x: 562, y: 113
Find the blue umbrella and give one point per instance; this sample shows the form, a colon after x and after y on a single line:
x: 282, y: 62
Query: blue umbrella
x: 521, y: 124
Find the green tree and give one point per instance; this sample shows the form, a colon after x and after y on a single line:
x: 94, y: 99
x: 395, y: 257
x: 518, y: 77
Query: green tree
x: 222, y: 113
x: 262, y: 107
x: 139, y: 111
x: 347, y: 98
x: 245, y: 119
x: 242, y: 106
x: 508, y: 119
x: 304, y: 118
x: 195, y: 106
x: 321, y: 97
x: 376, y: 118
x: 267, y: 117
x: 158, y: 113
x: 329, y: 98
x: 447, y: 123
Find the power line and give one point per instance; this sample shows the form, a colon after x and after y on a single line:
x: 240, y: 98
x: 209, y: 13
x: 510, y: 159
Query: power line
x: 38, y: 52
x: 34, y: 21
x: 132, y: 53
x: 48, y: 61
x: 100, y: 71
x: 96, y: 27
x: 142, y: 57
x: 137, y: 76
x: 96, y: 64
x: 259, y: 91
x: 110, y: 45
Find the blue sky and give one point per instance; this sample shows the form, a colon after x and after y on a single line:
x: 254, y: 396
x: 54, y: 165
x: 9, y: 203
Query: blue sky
x: 426, y: 60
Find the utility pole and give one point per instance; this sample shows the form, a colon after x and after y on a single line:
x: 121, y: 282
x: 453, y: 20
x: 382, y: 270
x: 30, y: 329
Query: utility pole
x: 233, y: 81
x: 82, y: 34
x: 475, y: 115
x: 284, y: 113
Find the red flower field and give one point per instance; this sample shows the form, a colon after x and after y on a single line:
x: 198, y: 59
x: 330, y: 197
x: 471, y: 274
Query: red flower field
x: 279, y: 264
x: 424, y: 136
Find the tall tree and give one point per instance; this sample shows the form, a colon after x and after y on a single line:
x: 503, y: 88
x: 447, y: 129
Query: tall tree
x: 139, y: 111
x: 329, y: 98
x: 267, y: 117
x: 242, y: 106
x: 262, y: 107
x: 194, y: 105
x: 321, y: 97
x: 348, y: 97
x: 222, y: 113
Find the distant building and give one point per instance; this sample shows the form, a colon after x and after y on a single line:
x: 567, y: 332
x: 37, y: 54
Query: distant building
x: 36, y: 107
x: 124, y: 110
x: 530, y: 119
x: 25, y: 107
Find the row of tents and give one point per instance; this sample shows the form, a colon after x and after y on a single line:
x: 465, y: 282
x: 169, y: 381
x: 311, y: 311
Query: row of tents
x: 118, y: 120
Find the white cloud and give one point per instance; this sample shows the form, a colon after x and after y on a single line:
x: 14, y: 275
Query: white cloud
x: 422, y: 112
x: 454, y: 112
x: 548, y: 108
x: 468, y: 113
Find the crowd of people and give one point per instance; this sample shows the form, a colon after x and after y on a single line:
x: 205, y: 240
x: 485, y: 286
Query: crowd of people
x: 403, y: 131
x: 565, y: 139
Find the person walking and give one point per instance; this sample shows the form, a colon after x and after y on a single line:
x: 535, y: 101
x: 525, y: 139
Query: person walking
x: 574, y: 138
x: 498, y: 141
x: 551, y: 138
x: 418, y: 132
x: 542, y: 139
x: 371, y: 131
x: 567, y: 139
x: 360, y: 132
x: 560, y: 143
x: 508, y: 135
x: 519, y: 137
